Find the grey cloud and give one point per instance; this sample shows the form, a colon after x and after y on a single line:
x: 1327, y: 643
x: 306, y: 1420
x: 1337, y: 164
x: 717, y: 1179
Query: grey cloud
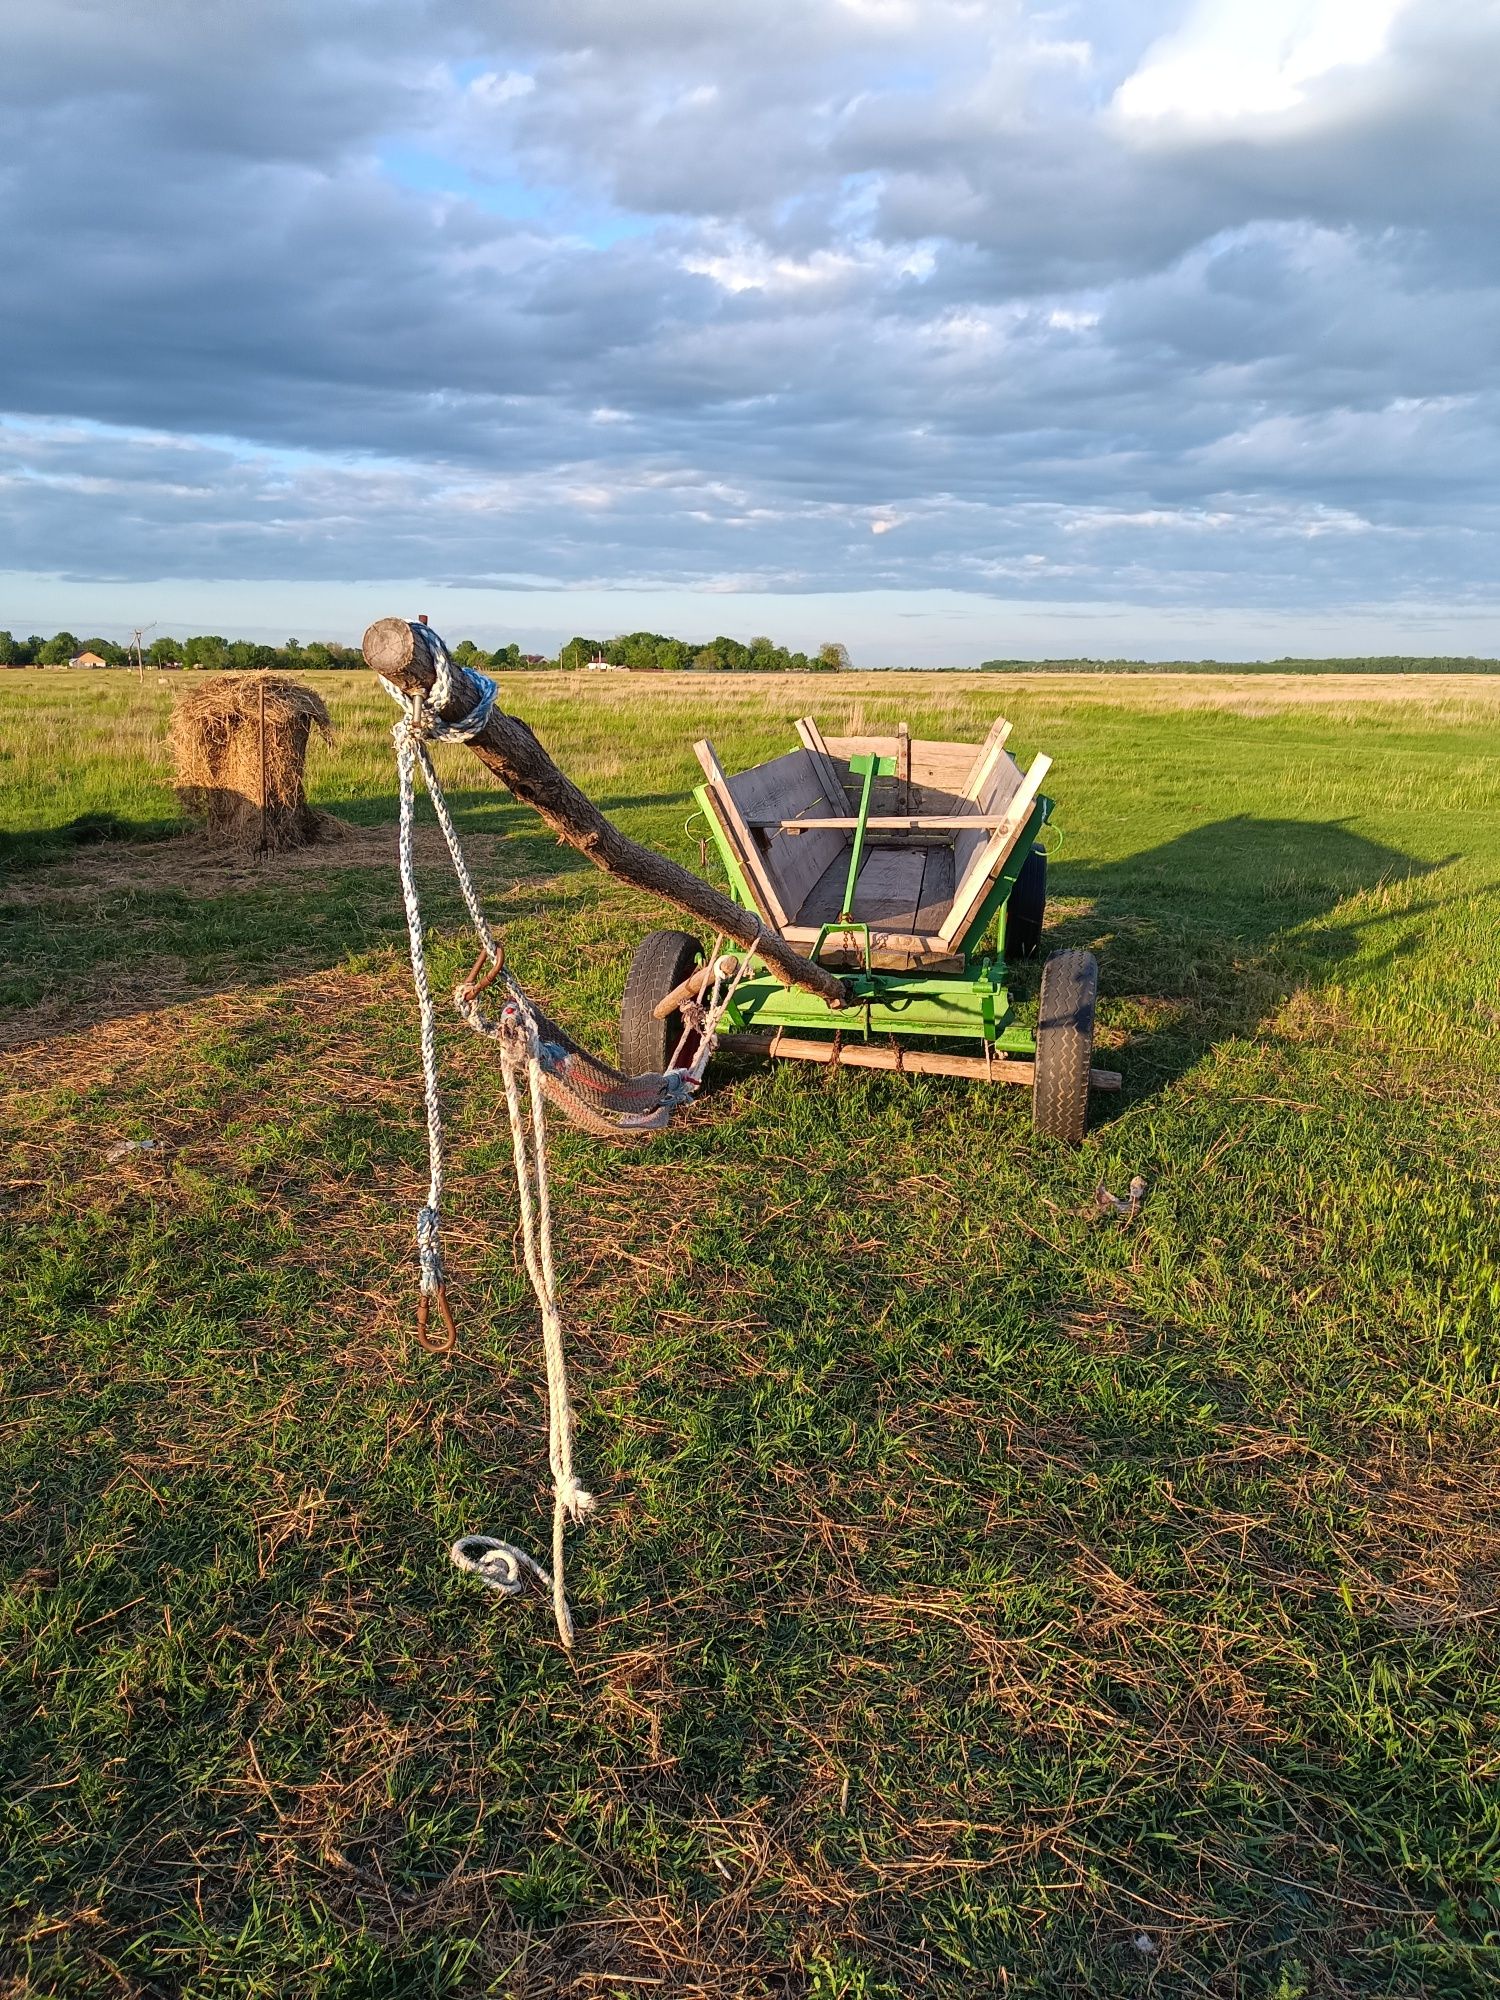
x: 721, y: 290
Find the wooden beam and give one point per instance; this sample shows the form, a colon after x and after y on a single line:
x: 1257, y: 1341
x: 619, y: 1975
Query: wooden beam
x: 990, y: 752
x: 401, y: 654
x: 896, y: 822
x: 879, y: 1055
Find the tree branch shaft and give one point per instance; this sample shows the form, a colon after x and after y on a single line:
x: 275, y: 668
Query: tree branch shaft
x: 399, y: 652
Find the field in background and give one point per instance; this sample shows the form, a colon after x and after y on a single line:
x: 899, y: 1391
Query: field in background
x: 979, y: 1594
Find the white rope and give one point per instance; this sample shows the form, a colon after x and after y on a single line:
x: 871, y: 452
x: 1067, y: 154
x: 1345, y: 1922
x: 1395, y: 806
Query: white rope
x: 501, y: 1565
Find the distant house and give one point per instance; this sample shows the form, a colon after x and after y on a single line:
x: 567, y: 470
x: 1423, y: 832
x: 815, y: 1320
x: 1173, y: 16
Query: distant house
x: 533, y: 659
x: 87, y: 660
x: 602, y: 666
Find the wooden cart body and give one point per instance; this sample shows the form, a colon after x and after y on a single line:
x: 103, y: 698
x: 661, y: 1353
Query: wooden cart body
x: 945, y: 831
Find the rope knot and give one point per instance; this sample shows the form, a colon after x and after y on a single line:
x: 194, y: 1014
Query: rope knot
x: 500, y: 1566
x: 575, y: 1500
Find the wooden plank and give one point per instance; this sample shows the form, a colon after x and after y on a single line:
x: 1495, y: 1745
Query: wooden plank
x: 893, y: 822
x: 786, y: 788
x: 879, y: 1055
x: 903, y: 766
x: 890, y: 881
x: 999, y: 785
x: 821, y: 903
x: 990, y: 752
x: 986, y: 864
x: 936, y: 898
x: 739, y: 835
x: 937, y: 766
x: 812, y: 739
x: 782, y: 788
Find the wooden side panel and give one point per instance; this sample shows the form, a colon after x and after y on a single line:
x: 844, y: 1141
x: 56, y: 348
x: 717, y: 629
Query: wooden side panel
x: 835, y: 778
x: 782, y: 789
x: 986, y: 864
x: 740, y: 837
x: 990, y: 753
x: 935, y: 767
x: 997, y: 789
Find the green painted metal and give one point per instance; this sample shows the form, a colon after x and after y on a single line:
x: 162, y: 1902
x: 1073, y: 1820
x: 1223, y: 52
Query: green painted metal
x: 870, y: 767
x: 971, y: 1005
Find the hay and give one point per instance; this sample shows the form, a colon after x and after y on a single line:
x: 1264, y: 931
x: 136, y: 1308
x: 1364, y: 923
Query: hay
x: 239, y: 744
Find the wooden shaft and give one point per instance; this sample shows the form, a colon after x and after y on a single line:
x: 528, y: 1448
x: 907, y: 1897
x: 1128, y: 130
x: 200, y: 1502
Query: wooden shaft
x: 879, y: 1055
x: 399, y: 653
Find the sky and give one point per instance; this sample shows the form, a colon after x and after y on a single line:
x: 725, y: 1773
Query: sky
x: 952, y: 329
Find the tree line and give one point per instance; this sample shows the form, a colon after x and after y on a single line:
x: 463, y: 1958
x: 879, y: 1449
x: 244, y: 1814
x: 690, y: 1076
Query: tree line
x: 642, y: 652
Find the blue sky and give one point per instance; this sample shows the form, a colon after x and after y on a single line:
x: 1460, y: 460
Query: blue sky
x: 947, y: 328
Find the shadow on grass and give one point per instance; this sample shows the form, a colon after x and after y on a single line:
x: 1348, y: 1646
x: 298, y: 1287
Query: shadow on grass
x: 1206, y: 936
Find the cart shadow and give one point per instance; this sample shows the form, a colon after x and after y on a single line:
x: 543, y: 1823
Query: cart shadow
x: 1204, y: 938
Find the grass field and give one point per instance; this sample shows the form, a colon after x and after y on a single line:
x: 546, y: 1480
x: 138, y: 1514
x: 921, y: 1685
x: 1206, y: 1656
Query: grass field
x: 981, y: 1599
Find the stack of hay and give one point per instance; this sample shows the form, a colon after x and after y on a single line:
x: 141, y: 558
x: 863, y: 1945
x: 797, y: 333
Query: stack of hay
x: 239, y: 742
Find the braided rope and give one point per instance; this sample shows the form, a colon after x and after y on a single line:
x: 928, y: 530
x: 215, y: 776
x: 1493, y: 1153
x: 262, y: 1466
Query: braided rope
x: 593, y: 1095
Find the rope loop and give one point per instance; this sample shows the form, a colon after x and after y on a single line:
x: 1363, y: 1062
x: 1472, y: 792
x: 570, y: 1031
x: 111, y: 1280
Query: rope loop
x: 500, y: 1566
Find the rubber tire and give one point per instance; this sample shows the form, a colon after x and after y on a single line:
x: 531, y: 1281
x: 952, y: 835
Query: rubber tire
x: 1065, y: 1046
x: 663, y: 959
x: 1026, y: 909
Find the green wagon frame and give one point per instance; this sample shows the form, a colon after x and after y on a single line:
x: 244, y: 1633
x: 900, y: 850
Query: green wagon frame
x: 912, y: 869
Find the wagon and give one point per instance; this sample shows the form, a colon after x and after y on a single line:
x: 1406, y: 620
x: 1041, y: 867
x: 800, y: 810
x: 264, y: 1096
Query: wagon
x: 912, y: 869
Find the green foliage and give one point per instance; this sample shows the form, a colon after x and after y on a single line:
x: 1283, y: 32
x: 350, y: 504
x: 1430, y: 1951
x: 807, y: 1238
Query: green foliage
x: 651, y: 652
x: 58, y: 650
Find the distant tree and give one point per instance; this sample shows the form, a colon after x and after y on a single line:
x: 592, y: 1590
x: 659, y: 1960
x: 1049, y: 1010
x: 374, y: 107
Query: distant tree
x: 578, y: 651
x: 244, y: 656
x: 833, y: 657
x: 708, y: 660
x: 10, y: 652
x: 292, y: 651
x: 468, y: 654
x: 164, y: 650
x: 207, y: 650
x: 31, y: 646
x: 58, y: 650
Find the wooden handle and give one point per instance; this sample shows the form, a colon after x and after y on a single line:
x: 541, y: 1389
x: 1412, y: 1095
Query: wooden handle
x: 401, y: 653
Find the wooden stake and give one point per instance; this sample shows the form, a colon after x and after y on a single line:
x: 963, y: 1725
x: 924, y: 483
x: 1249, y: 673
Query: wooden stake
x: 264, y: 836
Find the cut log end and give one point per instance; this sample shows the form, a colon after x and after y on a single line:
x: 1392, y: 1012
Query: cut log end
x: 389, y: 647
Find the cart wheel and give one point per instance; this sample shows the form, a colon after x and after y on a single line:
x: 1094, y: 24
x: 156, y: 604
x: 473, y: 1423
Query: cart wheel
x: 1065, y: 1045
x: 663, y: 959
x: 1026, y: 911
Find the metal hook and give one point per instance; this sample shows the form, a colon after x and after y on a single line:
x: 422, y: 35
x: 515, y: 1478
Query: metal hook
x: 448, y: 1339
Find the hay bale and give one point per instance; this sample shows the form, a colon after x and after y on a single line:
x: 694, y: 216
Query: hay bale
x: 239, y: 744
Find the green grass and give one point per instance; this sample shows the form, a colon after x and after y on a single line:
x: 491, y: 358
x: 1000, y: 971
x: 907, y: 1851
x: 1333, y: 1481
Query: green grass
x: 981, y: 1599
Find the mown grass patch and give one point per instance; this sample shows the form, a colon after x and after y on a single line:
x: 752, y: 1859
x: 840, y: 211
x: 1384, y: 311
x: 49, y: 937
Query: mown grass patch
x: 982, y: 1596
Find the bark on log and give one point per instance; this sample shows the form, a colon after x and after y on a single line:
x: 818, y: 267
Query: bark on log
x: 399, y: 652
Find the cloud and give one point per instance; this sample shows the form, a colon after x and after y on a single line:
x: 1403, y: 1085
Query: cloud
x: 1083, y: 302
